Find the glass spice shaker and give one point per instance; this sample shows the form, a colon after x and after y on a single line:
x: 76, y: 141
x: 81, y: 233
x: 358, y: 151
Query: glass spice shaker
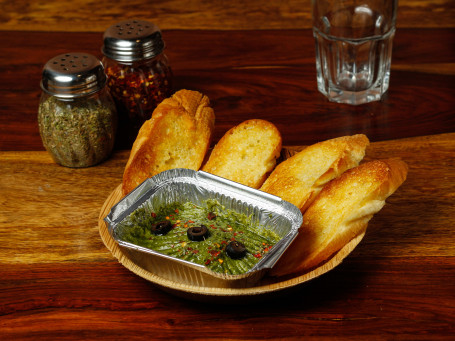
x: 77, y: 117
x: 138, y: 71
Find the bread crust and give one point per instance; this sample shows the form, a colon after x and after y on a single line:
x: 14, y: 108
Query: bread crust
x: 247, y: 153
x: 340, y: 213
x: 301, y: 177
x: 177, y: 136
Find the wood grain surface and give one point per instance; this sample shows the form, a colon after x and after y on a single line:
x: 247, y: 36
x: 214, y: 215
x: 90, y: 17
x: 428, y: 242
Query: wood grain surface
x: 253, y: 59
x: 260, y: 81
x: 92, y: 16
x: 58, y: 278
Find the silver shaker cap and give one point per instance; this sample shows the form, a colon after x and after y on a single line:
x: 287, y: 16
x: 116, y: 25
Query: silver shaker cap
x: 132, y: 40
x: 72, y: 75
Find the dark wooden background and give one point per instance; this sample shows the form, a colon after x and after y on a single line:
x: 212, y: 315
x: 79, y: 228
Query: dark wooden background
x: 253, y: 59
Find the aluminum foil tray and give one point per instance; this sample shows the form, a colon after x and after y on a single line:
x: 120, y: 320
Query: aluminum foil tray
x: 182, y: 185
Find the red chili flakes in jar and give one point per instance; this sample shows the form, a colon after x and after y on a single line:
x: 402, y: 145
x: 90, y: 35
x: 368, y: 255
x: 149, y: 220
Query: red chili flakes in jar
x: 138, y: 71
x: 138, y: 89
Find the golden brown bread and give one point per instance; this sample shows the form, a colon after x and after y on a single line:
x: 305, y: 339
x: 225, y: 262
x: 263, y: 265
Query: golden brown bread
x: 177, y: 136
x: 300, y: 178
x: 341, y: 212
x: 247, y: 153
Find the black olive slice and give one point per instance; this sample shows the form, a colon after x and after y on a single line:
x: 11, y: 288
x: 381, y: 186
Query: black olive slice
x: 161, y: 228
x: 236, y: 250
x: 197, y: 233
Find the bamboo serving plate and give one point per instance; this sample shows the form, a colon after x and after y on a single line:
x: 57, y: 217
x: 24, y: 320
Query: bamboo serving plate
x: 266, y: 286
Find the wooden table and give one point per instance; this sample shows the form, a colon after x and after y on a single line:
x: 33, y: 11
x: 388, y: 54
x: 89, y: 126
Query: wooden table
x: 253, y: 60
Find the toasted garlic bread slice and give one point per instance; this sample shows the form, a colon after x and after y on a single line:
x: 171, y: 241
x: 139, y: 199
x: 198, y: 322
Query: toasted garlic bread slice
x: 177, y: 136
x: 247, y: 153
x: 340, y: 213
x: 301, y: 177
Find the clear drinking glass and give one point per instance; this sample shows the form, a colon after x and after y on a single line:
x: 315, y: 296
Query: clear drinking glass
x: 353, y: 48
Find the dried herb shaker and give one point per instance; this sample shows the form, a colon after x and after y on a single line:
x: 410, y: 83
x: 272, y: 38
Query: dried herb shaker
x: 77, y: 116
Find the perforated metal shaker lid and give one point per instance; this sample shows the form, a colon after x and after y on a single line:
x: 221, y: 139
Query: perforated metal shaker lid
x: 132, y: 40
x: 72, y: 75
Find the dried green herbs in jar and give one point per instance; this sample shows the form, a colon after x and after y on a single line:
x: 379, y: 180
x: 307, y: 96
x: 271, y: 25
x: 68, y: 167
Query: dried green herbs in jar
x: 77, y: 133
x: 77, y: 117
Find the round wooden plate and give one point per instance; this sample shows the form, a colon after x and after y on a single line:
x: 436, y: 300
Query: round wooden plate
x: 267, y: 285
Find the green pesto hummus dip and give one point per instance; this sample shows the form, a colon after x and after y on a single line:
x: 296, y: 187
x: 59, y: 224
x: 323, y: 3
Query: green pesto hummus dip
x: 223, y: 227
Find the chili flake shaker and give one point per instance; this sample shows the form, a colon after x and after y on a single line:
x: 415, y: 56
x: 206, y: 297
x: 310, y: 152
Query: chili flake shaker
x: 139, y: 75
x: 77, y: 116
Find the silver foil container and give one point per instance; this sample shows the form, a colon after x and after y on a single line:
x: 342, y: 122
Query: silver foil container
x: 181, y: 185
